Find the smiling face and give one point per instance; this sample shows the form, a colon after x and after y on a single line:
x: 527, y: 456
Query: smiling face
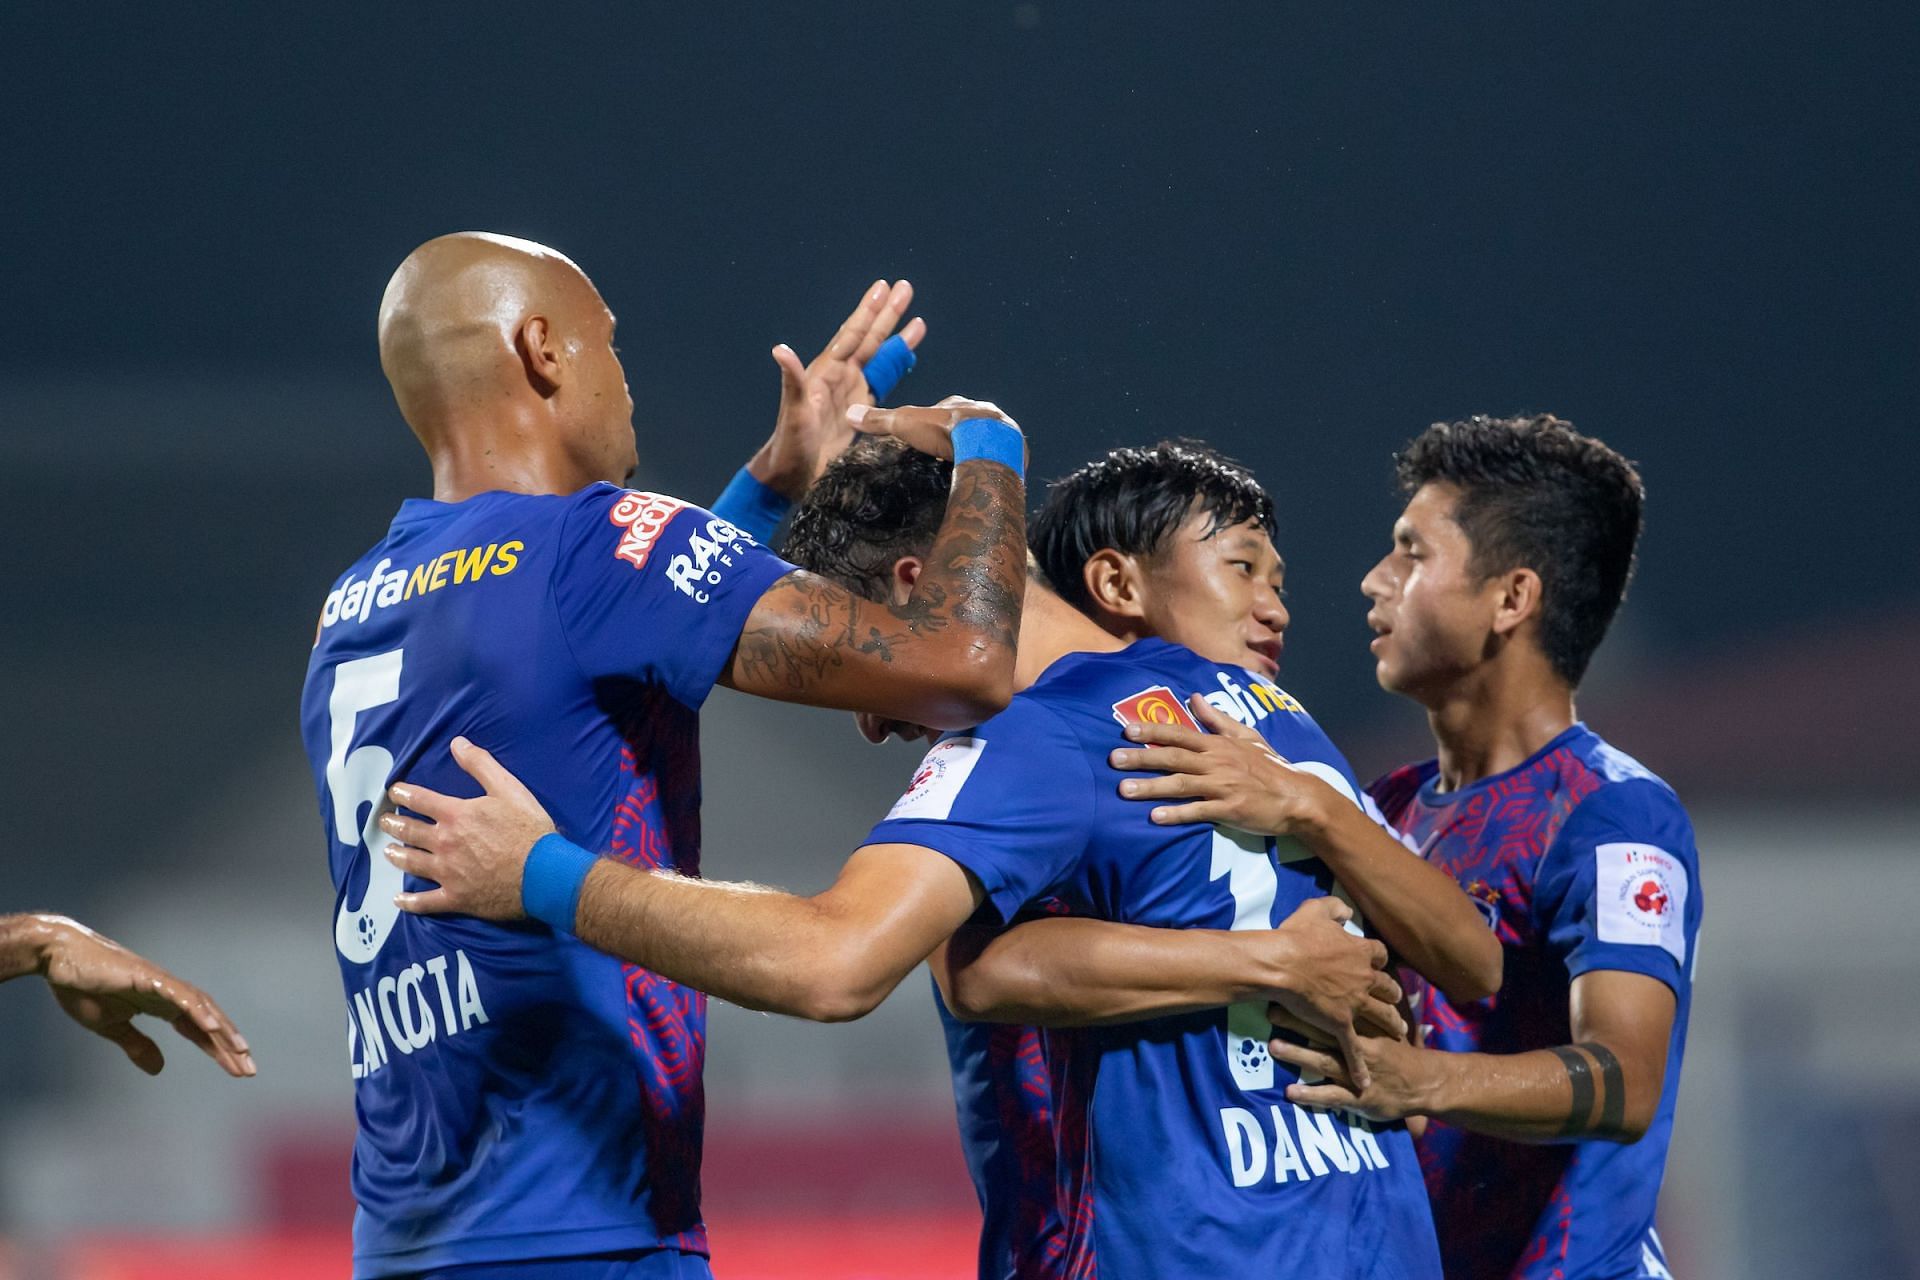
x: 1433, y: 616
x: 1218, y: 592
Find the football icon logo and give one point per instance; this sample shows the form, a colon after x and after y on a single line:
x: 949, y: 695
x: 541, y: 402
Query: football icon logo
x: 1651, y: 898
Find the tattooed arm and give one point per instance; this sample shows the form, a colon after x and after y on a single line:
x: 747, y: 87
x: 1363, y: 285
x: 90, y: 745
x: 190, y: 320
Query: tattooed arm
x: 1606, y: 1084
x: 943, y: 658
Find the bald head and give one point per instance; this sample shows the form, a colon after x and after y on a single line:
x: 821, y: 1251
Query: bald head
x: 496, y: 342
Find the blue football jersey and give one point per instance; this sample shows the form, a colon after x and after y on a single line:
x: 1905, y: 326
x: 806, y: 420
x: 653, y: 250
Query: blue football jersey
x: 1581, y: 860
x: 520, y: 1095
x: 1177, y: 1151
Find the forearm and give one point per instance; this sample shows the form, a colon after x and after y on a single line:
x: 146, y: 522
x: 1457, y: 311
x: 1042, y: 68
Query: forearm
x: 26, y: 944
x: 967, y: 600
x: 1564, y: 1094
x: 748, y: 945
x: 1072, y: 972
x: 1416, y: 908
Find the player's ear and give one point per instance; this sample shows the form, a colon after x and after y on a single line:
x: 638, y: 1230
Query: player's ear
x: 906, y: 572
x: 539, y: 351
x: 1519, y: 600
x: 1114, y: 584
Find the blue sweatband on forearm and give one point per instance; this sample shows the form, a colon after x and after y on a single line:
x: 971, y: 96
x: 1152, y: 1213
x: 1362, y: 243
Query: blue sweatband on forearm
x: 993, y: 440
x: 752, y: 507
x: 892, y: 362
x: 550, y: 884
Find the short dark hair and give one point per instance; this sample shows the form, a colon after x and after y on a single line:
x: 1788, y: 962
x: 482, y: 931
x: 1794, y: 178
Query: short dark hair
x: 1133, y: 501
x: 877, y: 502
x: 1536, y: 494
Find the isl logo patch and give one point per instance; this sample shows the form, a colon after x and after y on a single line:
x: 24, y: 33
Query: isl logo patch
x: 1640, y: 894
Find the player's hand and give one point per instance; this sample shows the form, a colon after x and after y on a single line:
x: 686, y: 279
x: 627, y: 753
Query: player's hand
x: 1381, y: 1077
x: 103, y: 986
x: 928, y: 429
x: 475, y: 850
x: 811, y: 428
x: 1337, y: 984
x: 1230, y: 777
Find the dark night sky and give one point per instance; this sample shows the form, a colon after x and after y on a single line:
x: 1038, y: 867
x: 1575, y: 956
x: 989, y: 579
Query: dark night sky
x: 1302, y: 232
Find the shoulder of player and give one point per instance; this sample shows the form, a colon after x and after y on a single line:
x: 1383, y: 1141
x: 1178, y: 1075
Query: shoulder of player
x: 1631, y: 808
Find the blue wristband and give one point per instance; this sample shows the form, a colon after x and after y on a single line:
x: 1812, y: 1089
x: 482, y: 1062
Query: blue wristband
x: 752, y: 507
x: 993, y: 440
x: 892, y: 362
x: 550, y: 883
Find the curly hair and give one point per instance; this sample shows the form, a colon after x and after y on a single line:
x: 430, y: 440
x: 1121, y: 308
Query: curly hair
x: 1536, y: 494
x: 877, y: 502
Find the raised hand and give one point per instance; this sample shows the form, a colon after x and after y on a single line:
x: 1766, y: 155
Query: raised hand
x: 1339, y: 979
x: 928, y: 429
x: 475, y: 850
x: 811, y: 428
x: 103, y: 986
x: 1229, y: 776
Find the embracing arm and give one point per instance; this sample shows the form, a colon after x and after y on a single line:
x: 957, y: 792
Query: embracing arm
x: 945, y: 657
x: 1606, y: 1084
x: 831, y: 958
x: 1231, y: 776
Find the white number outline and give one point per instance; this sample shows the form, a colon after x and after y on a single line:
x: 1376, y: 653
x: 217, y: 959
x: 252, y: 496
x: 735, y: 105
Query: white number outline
x: 356, y: 779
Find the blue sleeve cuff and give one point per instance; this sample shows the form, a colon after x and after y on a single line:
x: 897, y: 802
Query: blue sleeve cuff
x: 751, y: 507
x: 550, y: 883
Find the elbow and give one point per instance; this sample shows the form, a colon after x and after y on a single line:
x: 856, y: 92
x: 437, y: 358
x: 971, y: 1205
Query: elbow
x: 839, y: 990
x: 1480, y: 976
x: 968, y: 998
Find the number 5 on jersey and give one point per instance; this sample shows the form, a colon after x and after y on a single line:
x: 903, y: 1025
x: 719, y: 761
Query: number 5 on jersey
x: 358, y: 779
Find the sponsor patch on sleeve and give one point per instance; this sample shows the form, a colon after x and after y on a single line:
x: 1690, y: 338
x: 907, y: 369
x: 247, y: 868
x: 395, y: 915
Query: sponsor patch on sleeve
x: 1641, y: 897
x: 643, y: 515
x: 937, y: 782
x: 1158, y: 705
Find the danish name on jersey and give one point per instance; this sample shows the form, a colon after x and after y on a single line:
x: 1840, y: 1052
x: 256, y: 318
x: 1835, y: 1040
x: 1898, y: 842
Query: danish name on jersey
x: 355, y: 599
x: 1640, y: 894
x: 1297, y: 1144
x: 397, y: 1013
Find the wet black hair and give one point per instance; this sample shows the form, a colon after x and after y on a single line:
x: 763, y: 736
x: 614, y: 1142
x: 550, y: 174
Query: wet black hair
x: 875, y: 503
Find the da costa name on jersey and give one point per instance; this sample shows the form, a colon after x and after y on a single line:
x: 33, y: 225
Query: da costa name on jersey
x: 355, y: 599
x: 400, y: 1014
x: 710, y: 548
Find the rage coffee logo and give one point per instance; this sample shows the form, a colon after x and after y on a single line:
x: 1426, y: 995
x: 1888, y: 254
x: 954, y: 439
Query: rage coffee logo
x: 1158, y: 705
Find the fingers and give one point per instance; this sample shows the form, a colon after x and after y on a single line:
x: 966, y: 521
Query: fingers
x: 433, y: 903
x: 1335, y: 910
x: 1385, y: 989
x: 1219, y: 721
x: 425, y: 800
x: 1221, y: 812
x: 410, y: 831
x: 1356, y: 1060
x: 415, y: 861
x: 1165, y: 735
x: 793, y: 374
x: 1174, y: 786
x: 1158, y: 760
x: 1376, y: 951
x: 140, y: 1051
x: 847, y: 339
x: 1383, y: 1017
x: 237, y: 1064
x: 488, y: 772
x: 194, y: 1015
x: 1284, y: 1019
x: 1305, y: 1058
x: 1328, y: 1097
x: 880, y: 328
x: 914, y: 333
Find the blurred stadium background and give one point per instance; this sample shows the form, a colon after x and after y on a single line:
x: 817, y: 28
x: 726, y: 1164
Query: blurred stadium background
x: 1299, y: 233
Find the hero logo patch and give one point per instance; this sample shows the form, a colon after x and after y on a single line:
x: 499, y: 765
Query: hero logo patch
x: 937, y: 782
x: 1158, y: 705
x: 1641, y: 897
x: 643, y: 515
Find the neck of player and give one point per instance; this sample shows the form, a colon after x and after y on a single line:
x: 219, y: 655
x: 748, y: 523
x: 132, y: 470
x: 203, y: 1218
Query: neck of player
x: 1494, y: 716
x: 1050, y: 629
x: 506, y: 452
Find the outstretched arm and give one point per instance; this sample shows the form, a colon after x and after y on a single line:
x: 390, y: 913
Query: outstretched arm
x: 102, y: 986
x: 831, y: 957
x: 945, y: 657
x: 1605, y: 1084
x: 1231, y: 776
